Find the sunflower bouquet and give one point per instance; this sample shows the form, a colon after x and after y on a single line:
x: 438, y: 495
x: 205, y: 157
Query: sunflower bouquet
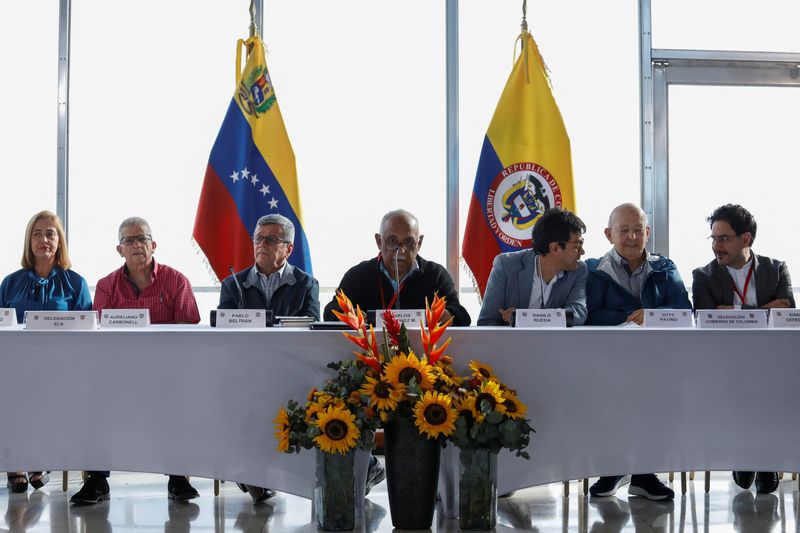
x: 490, y: 415
x: 400, y: 382
x: 335, y: 419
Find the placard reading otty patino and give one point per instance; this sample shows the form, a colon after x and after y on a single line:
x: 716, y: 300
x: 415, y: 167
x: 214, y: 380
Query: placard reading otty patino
x: 60, y: 320
x: 409, y: 317
x: 540, y: 318
x: 668, y: 318
x: 241, y: 318
x: 125, y: 318
x: 8, y: 317
x: 731, y: 318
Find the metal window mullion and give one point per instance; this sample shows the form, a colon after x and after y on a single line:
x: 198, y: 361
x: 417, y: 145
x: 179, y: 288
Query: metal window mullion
x: 62, y: 141
x: 452, y: 213
x: 648, y: 178
x: 660, y: 238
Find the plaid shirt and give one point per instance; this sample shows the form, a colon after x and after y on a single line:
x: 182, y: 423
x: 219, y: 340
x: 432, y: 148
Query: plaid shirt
x: 169, y: 297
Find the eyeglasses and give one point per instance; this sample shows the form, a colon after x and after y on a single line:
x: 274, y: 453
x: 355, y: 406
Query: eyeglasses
x: 392, y: 244
x: 141, y: 239
x: 45, y: 235
x: 269, y: 239
x: 721, y: 239
x: 578, y: 244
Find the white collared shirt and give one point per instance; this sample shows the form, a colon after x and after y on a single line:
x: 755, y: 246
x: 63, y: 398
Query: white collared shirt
x: 739, y: 276
x: 540, y: 291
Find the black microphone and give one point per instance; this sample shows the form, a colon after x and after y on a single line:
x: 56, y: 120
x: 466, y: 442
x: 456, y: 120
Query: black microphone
x: 238, y: 287
x: 397, y: 274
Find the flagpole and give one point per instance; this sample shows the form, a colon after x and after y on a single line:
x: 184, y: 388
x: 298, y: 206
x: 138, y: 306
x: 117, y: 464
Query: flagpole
x: 256, y: 17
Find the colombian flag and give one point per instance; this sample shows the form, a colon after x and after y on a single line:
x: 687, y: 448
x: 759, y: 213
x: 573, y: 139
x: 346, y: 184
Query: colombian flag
x: 251, y: 172
x: 525, y: 167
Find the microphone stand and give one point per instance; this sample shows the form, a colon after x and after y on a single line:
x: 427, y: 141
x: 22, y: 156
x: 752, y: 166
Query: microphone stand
x: 238, y: 287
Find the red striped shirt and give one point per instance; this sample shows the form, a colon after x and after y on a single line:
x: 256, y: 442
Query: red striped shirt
x: 169, y: 297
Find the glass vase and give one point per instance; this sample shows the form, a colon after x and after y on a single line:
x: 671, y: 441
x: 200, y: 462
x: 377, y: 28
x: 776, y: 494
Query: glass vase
x: 334, y: 492
x: 477, y: 489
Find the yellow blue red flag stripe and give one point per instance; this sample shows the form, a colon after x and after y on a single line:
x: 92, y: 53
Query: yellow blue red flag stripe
x: 525, y: 167
x: 251, y: 172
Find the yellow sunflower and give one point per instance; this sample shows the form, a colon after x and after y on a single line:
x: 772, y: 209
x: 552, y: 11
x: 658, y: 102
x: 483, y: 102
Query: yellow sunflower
x: 481, y: 370
x: 339, y: 432
x: 434, y: 415
x: 282, y: 427
x: 468, y: 408
x: 402, y: 368
x: 490, y: 393
x: 312, y: 408
x: 446, y: 375
x: 514, y: 408
x: 383, y: 394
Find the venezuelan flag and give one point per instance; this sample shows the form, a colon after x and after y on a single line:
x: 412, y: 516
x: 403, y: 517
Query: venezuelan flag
x: 251, y: 172
x: 524, y: 169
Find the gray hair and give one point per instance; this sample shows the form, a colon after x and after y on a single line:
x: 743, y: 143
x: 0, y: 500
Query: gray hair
x: 286, y: 225
x: 410, y: 218
x: 133, y: 221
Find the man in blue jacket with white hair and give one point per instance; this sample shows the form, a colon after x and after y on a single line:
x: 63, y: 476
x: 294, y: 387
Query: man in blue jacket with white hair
x: 620, y: 286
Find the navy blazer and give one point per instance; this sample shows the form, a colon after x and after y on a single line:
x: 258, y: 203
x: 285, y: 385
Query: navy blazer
x: 712, y: 285
x: 511, y: 282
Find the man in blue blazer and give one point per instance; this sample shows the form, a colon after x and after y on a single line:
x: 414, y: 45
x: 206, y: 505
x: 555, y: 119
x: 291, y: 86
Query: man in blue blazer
x: 549, y: 275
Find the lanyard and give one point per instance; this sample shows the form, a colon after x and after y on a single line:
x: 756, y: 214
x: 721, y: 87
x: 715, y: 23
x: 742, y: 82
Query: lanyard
x: 380, y: 287
x: 743, y: 294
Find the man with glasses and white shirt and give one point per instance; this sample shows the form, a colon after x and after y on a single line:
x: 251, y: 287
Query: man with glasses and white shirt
x: 398, y: 278
x: 142, y: 283
x: 740, y: 279
x: 549, y: 275
x: 621, y: 285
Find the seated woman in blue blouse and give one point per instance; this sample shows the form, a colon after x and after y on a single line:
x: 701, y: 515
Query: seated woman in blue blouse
x: 45, y: 282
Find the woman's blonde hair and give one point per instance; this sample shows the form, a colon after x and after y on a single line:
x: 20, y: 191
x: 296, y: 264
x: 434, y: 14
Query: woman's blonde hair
x: 62, y: 252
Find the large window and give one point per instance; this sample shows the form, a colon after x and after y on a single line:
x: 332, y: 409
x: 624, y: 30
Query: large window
x: 765, y: 26
x: 732, y: 145
x: 28, y: 120
x: 361, y: 85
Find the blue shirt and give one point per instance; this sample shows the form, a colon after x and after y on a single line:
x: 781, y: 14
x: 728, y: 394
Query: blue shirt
x: 61, y: 290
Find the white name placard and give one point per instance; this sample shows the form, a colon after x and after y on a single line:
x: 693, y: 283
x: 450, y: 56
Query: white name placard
x: 125, y: 318
x: 668, y: 318
x: 60, y: 320
x: 784, y: 318
x: 409, y: 317
x: 241, y: 318
x: 731, y: 318
x: 8, y: 317
x: 540, y: 318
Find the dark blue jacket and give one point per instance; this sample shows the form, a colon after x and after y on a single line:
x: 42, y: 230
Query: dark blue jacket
x: 299, y: 297
x: 609, y: 304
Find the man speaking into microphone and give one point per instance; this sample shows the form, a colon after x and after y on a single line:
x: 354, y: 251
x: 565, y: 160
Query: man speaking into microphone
x: 399, y: 278
x: 272, y: 283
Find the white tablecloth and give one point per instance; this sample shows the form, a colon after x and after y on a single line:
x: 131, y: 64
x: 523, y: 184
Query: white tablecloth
x: 194, y: 400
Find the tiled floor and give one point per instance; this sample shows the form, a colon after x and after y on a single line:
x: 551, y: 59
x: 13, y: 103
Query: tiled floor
x: 139, y: 504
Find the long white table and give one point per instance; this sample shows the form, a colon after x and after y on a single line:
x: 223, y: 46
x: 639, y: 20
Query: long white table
x: 200, y: 401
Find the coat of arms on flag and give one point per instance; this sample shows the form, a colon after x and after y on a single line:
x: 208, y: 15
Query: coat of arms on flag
x: 524, y: 169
